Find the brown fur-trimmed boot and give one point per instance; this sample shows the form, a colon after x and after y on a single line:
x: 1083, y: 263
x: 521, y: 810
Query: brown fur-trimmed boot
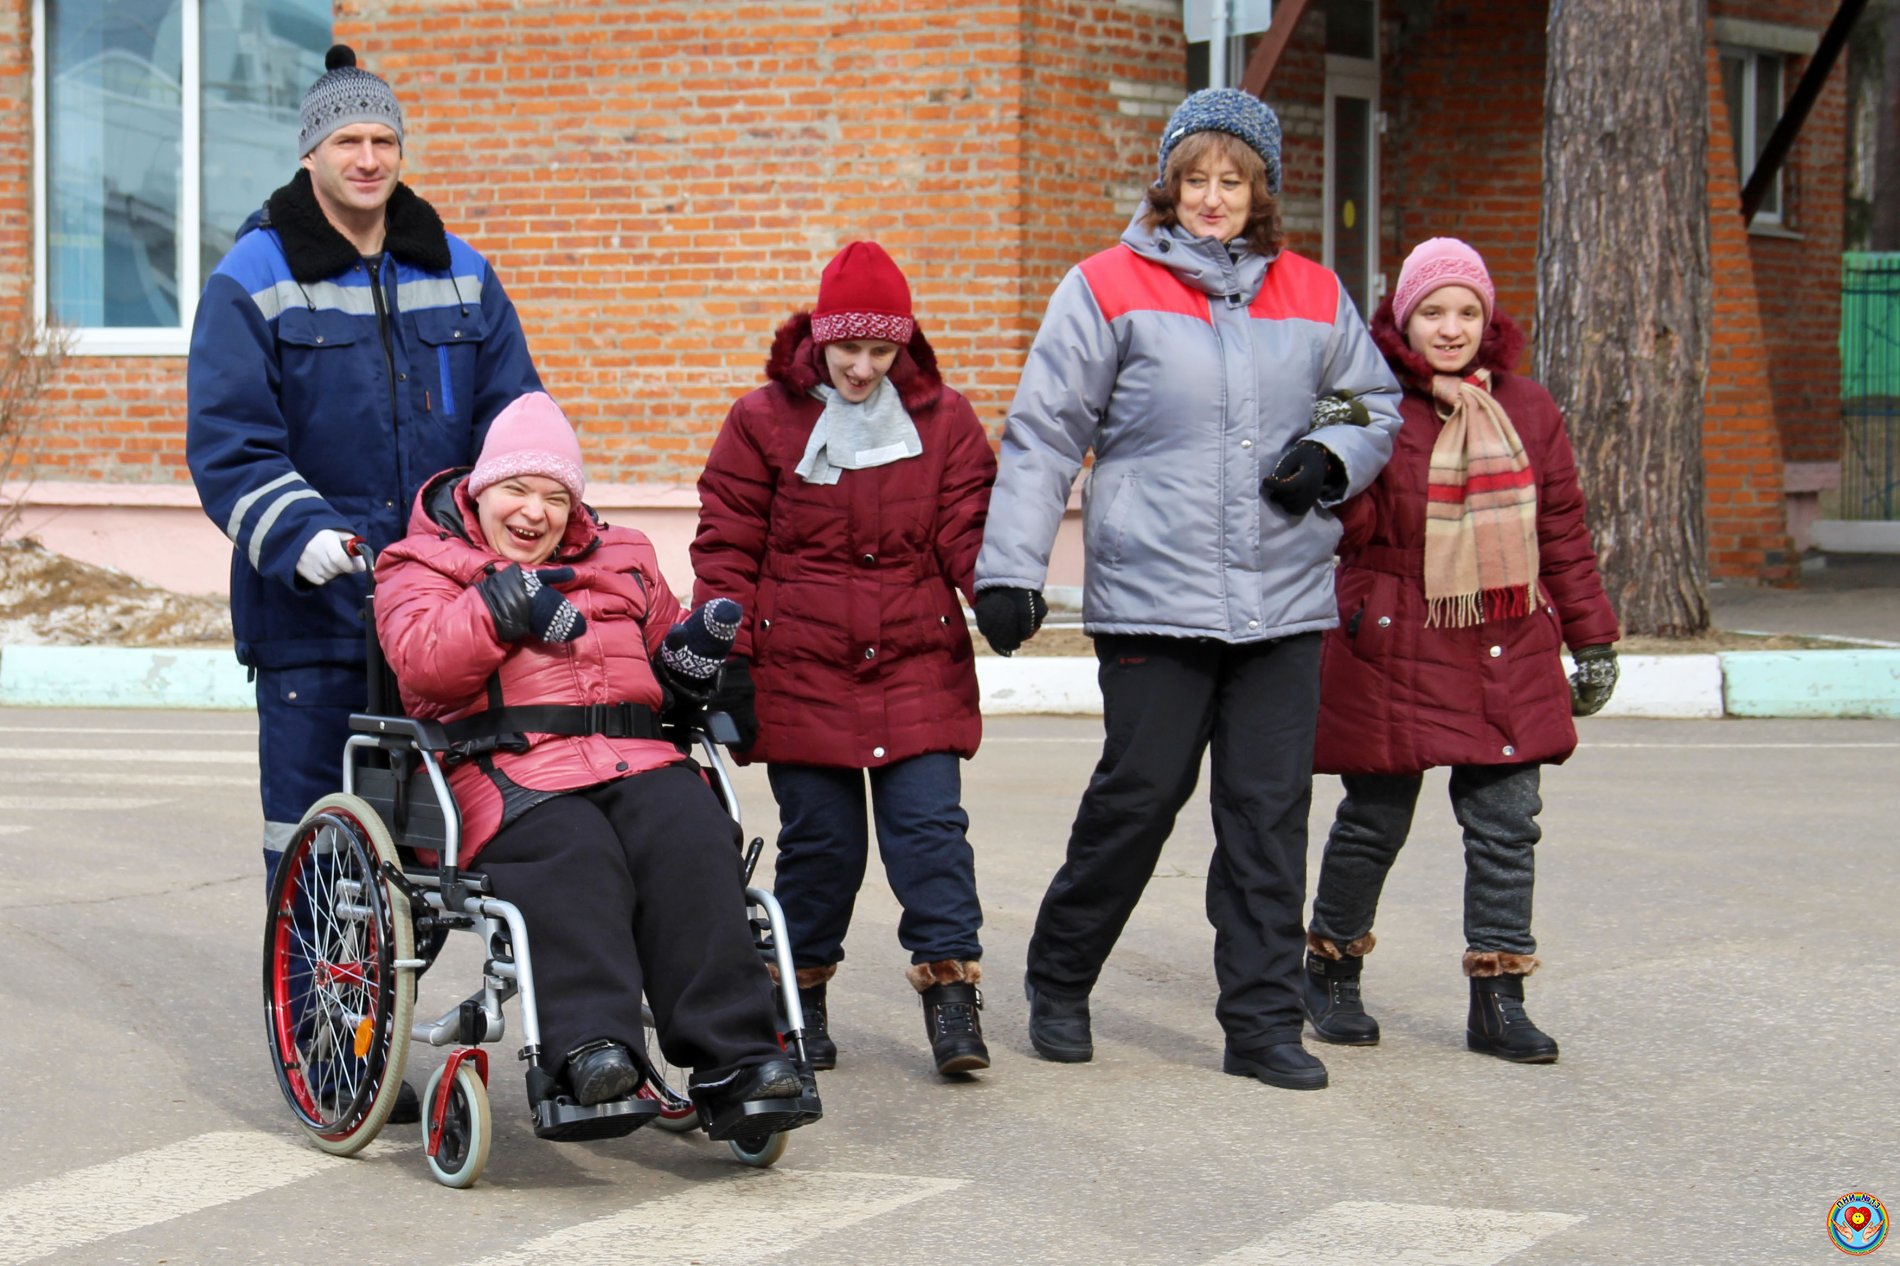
x: 1499, y: 1024
x: 951, y: 1019
x: 820, y: 1050
x: 1329, y: 991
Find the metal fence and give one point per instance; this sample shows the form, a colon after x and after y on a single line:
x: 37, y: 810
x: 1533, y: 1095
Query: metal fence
x: 1870, y: 385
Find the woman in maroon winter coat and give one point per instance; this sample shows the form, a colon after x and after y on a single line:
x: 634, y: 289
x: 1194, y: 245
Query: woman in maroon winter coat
x: 843, y: 505
x: 509, y: 593
x: 1463, y: 571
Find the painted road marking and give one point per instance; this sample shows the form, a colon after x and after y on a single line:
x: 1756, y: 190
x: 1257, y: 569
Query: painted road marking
x: 150, y: 756
x: 1358, y: 1231
x: 74, y: 804
x: 112, y: 778
x: 147, y: 1188
x: 118, y: 729
x: 735, y: 1221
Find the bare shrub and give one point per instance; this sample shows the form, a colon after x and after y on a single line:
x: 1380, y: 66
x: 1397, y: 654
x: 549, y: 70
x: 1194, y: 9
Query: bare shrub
x: 30, y: 354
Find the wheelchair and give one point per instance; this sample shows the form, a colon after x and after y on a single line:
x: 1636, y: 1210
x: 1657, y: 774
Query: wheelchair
x: 355, y: 918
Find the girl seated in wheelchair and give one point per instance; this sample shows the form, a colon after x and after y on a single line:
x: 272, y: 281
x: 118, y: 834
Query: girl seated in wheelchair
x: 509, y: 593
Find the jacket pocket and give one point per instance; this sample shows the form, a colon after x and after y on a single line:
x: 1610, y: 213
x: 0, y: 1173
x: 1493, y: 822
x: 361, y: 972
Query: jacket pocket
x: 313, y: 328
x: 1371, y: 625
x: 1103, y: 539
x: 445, y: 371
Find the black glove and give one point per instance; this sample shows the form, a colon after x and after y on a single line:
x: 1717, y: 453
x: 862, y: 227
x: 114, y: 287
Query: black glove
x: 1009, y: 617
x: 735, y: 697
x: 695, y: 647
x: 525, y: 604
x: 1301, y: 476
x: 1594, y: 681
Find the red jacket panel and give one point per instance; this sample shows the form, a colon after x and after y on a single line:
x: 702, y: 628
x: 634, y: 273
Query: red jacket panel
x: 859, y: 649
x: 440, y: 640
x: 1397, y: 697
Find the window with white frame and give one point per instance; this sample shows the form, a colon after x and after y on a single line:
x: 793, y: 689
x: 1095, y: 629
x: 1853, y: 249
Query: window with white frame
x: 1752, y: 88
x: 159, y: 126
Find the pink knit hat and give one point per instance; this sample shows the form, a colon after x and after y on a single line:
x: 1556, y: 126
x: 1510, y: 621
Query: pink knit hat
x: 530, y: 437
x: 1437, y: 262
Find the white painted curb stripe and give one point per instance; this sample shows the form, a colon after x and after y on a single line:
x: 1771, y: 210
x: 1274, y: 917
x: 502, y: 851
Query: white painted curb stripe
x: 1358, y: 1232
x: 735, y: 1222
x: 145, y: 1189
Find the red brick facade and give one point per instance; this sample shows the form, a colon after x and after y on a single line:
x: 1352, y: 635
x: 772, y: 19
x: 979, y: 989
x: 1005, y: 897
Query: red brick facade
x: 659, y: 184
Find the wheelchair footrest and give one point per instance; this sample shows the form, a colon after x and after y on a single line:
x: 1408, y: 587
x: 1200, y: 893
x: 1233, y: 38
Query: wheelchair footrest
x: 564, y: 1121
x: 756, y: 1118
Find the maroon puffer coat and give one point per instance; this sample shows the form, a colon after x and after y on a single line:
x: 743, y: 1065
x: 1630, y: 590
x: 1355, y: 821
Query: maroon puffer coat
x: 859, y: 649
x: 1397, y: 697
x: 440, y: 639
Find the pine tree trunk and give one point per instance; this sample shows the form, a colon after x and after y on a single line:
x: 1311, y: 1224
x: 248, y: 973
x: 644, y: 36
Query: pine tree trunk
x: 1623, y: 290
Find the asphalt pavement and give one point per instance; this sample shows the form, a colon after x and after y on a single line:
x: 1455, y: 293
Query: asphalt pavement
x: 1714, y: 910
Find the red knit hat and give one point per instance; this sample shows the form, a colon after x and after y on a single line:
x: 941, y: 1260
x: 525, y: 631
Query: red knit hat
x: 862, y: 295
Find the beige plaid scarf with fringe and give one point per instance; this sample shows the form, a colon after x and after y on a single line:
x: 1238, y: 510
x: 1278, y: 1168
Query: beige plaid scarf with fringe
x: 1480, y: 510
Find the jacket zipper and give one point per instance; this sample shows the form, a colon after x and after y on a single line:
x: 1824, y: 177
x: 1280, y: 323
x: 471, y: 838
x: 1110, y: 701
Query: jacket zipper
x: 382, y: 332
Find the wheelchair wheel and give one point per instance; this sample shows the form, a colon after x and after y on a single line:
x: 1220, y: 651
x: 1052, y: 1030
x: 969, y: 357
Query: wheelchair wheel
x: 468, y: 1128
x: 337, y: 1008
x: 667, y: 1085
x: 760, y: 1153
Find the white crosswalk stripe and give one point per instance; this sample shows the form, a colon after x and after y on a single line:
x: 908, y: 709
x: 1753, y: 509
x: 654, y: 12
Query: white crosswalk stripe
x: 730, y: 1223
x: 75, y: 804
x: 147, y: 1188
x: 130, y: 755
x: 1355, y: 1232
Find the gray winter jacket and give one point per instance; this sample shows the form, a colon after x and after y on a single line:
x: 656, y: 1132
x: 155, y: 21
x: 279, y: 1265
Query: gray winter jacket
x: 1188, y: 372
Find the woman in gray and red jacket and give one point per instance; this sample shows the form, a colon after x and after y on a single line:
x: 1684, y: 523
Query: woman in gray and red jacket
x: 1462, y: 572
x: 843, y: 505
x: 510, y: 594
x: 1190, y: 358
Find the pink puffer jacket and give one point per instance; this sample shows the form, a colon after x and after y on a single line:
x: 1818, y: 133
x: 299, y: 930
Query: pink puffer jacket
x: 440, y: 639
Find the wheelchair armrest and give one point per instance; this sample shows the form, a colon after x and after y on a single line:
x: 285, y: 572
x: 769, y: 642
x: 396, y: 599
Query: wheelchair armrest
x: 721, y: 729
x: 427, y: 736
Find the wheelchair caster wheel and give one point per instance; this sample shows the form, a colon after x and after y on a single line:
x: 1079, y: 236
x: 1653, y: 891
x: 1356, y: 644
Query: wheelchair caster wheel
x: 468, y: 1128
x: 760, y: 1153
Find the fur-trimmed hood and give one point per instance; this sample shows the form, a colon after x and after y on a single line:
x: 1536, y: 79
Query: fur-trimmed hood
x: 1498, y: 350
x: 315, y: 250
x: 797, y: 364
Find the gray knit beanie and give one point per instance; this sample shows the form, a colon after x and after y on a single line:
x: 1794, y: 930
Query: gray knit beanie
x: 1232, y: 111
x: 344, y: 95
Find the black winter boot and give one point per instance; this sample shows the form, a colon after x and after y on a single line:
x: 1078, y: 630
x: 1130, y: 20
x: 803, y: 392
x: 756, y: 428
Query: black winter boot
x: 1498, y: 1024
x: 951, y: 1019
x: 1329, y: 994
x: 819, y: 1048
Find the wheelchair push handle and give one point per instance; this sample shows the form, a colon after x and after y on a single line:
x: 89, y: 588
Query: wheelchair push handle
x: 360, y: 548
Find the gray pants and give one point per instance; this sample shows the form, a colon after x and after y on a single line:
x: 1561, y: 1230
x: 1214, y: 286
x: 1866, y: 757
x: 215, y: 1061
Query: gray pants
x: 1497, y: 805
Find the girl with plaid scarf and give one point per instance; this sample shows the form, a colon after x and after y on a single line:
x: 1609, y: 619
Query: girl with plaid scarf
x: 1463, y: 570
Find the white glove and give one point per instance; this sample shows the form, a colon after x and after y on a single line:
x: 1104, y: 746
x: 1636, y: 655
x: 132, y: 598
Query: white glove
x: 325, y: 558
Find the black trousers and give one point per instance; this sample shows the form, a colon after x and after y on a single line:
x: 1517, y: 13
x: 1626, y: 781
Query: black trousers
x: 630, y: 886
x: 1165, y: 700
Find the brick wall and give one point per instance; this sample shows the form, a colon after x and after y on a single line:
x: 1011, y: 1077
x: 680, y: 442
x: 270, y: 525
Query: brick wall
x: 1799, y: 277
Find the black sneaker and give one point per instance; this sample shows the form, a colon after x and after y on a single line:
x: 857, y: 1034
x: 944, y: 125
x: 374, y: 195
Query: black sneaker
x: 1287, y: 1065
x: 766, y: 1098
x: 1059, y: 1027
x: 601, y: 1070
x: 408, y: 1109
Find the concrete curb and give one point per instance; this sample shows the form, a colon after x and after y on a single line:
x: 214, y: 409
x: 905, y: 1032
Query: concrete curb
x: 1844, y: 683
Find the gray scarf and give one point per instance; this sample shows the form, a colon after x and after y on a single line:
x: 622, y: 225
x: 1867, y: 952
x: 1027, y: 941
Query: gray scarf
x: 857, y: 436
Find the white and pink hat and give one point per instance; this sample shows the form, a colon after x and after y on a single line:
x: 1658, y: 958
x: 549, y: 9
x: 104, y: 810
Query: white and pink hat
x: 1437, y: 262
x: 530, y: 437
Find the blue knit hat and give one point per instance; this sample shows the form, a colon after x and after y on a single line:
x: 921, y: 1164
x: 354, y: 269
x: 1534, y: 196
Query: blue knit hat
x: 1231, y: 111
x: 344, y: 95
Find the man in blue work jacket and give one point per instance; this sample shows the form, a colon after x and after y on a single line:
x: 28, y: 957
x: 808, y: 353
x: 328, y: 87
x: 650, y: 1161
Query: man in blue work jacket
x: 346, y: 349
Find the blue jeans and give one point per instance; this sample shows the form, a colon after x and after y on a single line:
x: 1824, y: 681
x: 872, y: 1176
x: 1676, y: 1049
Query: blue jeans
x: 823, y: 845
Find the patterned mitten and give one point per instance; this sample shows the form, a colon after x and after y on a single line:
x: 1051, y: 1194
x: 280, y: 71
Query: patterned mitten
x: 1339, y: 409
x: 696, y: 646
x: 525, y: 604
x: 1594, y: 681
